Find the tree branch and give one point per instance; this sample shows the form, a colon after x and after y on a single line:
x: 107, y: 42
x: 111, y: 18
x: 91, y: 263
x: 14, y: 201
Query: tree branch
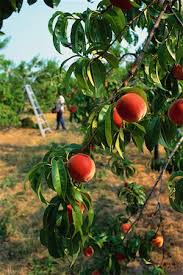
x: 124, y: 29
x: 140, y: 57
x: 159, y: 178
x: 176, y: 16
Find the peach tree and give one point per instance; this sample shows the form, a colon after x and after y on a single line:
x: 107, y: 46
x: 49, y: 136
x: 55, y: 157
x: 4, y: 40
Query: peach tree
x: 144, y: 108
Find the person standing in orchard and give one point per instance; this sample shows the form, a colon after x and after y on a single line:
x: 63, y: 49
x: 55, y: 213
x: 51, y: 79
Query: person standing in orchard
x: 59, y: 111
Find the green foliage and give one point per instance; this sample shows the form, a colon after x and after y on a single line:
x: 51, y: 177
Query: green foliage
x: 27, y: 122
x: 63, y: 234
x: 123, y: 168
x: 133, y: 196
x: 176, y: 191
x: 43, y: 267
x: 9, y: 181
x: 3, y: 228
x: 8, y: 116
x: 45, y: 79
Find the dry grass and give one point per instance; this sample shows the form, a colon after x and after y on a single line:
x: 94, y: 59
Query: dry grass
x: 20, y: 249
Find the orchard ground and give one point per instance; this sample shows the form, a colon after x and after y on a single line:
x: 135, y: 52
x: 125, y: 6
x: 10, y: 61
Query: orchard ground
x: 21, y: 212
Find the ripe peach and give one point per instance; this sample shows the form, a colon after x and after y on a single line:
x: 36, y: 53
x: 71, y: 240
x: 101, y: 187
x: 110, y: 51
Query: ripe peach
x: 73, y: 109
x: 177, y: 72
x: 69, y: 212
x: 81, y: 167
x: 158, y: 241
x: 175, y: 112
x: 125, y: 5
x: 118, y: 121
x: 96, y: 272
x: 125, y: 227
x: 131, y: 107
x: 92, y: 147
x: 119, y: 257
x: 88, y: 251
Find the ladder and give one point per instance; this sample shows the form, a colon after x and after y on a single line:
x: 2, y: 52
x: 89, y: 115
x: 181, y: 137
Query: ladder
x: 42, y: 123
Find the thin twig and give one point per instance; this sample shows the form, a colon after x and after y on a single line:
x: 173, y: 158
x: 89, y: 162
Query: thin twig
x: 124, y: 29
x: 159, y: 179
x: 176, y: 16
x: 140, y: 57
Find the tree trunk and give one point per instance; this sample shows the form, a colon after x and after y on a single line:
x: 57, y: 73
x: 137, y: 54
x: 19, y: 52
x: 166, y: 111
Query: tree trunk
x: 156, y: 152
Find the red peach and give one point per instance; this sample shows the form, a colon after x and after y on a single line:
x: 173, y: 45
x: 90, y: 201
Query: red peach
x: 73, y: 109
x: 92, y: 147
x: 125, y: 5
x: 119, y: 257
x: 131, y: 107
x: 88, y: 251
x: 118, y: 121
x: 81, y: 167
x: 175, y: 112
x: 158, y: 241
x: 69, y: 212
x: 96, y: 272
x: 125, y: 227
x: 177, y: 72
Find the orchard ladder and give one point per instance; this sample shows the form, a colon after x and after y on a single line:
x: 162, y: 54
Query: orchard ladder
x: 42, y: 123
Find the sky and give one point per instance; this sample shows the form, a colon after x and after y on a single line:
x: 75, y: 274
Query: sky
x: 29, y: 30
x: 29, y: 35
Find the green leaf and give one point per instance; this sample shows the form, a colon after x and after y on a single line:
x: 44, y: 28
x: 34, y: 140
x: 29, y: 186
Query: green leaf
x: 117, y: 20
x: 175, y: 175
x: 100, y: 32
x: 117, y: 146
x: 168, y: 131
x: 98, y: 72
x: 73, y: 147
x: 31, y: 2
x: 108, y: 133
x: 78, y: 37
x: 138, y: 140
x: 170, y: 51
x: 90, y: 212
x: 52, y: 244
x: 68, y: 75
x: 50, y: 23
x: 176, y: 198
x: 140, y: 127
x: 79, y: 74
x: 111, y: 59
x: 144, y: 250
x: 164, y: 57
x: 77, y: 219
x: 44, y: 237
x: 50, y: 214
x: 60, y: 32
x: 63, y: 177
x: 152, y: 133
x: 35, y: 177
x: 52, y: 3
x: 89, y: 90
x: 56, y: 177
